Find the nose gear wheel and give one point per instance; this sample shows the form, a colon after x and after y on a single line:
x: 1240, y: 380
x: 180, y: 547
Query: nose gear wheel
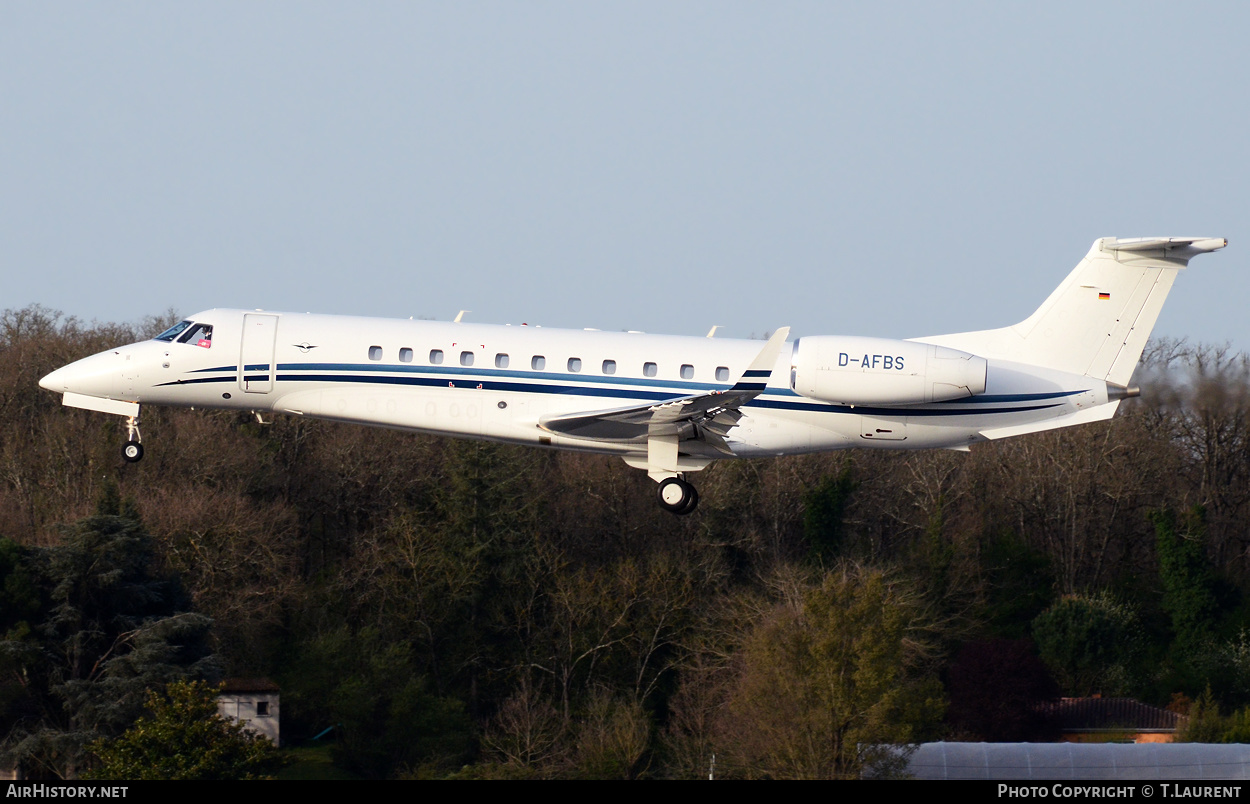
x: 132, y: 450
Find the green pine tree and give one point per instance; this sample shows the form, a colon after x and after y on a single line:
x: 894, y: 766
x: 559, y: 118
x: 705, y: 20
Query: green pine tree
x: 185, y: 738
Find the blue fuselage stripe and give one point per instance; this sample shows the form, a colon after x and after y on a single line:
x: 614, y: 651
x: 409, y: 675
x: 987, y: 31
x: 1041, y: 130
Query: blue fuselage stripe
x: 984, y: 399
x: 679, y: 387
x: 491, y: 381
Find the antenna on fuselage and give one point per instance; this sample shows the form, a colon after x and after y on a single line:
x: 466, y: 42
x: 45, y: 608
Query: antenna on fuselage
x: 459, y: 316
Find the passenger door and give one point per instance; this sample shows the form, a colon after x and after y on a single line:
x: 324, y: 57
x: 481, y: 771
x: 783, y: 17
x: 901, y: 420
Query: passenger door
x: 257, y: 370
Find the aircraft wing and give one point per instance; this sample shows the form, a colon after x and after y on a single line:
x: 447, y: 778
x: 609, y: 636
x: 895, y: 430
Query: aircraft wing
x: 707, y: 417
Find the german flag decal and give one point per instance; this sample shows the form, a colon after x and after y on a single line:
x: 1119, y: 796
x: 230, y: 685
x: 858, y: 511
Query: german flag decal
x: 1104, y: 295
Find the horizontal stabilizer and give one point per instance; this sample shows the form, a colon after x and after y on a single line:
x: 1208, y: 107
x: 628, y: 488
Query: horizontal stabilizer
x: 1173, y: 246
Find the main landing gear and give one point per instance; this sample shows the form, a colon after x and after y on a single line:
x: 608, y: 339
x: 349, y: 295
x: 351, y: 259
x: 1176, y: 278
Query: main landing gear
x: 132, y: 450
x: 677, y: 496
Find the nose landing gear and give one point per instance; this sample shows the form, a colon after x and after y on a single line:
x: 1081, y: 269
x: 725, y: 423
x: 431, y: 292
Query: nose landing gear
x: 677, y: 496
x: 132, y: 450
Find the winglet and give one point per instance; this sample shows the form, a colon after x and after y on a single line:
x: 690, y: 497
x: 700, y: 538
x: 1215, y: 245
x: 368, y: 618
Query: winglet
x: 755, y: 378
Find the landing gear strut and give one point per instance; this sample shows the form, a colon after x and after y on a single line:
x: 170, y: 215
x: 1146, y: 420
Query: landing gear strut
x: 132, y: 450
x: 677, y: 496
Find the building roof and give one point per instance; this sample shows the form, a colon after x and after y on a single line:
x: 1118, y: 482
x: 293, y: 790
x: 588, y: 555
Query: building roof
x: 1074, y: 761
x: 249, y: 685
x: 1075, y: 715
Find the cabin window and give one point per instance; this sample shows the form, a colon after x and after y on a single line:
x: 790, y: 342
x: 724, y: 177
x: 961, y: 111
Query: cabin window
x: 609, y: 367
x: 649, y: 369
x: 174, y: 331
x: 375, y: 352
x: 722, y: 374
x: 466, y: 358
x: 575, y: 364
x: 405, y: 355
x: 687, y: 372
x: 538, y: 363
x: 436, y: 356
x: 501, y: 360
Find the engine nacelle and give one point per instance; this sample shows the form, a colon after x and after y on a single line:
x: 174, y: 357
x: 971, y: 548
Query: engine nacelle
x: 878, y: 371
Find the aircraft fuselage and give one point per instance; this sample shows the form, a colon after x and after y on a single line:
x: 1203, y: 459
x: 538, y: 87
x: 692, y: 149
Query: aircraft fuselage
x: 498, y: 382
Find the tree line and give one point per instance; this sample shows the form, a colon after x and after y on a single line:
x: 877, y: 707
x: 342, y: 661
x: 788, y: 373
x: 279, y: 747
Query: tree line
x: 468, y: 609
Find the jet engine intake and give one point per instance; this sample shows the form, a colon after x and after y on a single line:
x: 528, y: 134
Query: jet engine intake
x: 879, y: 371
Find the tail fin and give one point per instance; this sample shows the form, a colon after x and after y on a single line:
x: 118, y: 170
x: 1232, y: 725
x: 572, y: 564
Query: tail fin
x: 1096, y: 323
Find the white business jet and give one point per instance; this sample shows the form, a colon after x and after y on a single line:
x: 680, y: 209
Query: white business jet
x: 668, y: 405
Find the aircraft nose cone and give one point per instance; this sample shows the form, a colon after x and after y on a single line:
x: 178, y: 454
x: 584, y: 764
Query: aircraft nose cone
x: 56, y: 381
x: 98, y: 375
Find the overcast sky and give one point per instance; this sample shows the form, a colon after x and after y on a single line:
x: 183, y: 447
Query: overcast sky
x: 889, y: 169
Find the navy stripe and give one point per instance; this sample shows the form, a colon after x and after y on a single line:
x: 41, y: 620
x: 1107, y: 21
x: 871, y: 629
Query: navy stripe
x: 988, y: 398
x: 248, y: 367
x: 199, y: 380
x: 863, y: 410
x: 195, y: 381
x: 483, y: 375
x: 487, y: 385
x: 443, y: 382
x: 434, y: 382
x: 680, y: 385
x: 620, y: 393
x: 677, y: 386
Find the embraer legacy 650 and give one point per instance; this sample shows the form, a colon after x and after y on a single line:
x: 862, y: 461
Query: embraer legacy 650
x: 669, y: 405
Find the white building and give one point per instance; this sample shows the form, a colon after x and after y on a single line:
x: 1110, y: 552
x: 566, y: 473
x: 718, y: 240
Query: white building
x: 252, y: 702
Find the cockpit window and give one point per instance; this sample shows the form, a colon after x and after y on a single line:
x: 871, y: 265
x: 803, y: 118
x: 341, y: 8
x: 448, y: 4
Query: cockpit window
x: 174, y: 331
x: 198, y: 334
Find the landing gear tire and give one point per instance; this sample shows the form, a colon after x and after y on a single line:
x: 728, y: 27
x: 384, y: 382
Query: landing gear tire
x: 132, y: 450
x: 692, y: 504
x: 677, y: 496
